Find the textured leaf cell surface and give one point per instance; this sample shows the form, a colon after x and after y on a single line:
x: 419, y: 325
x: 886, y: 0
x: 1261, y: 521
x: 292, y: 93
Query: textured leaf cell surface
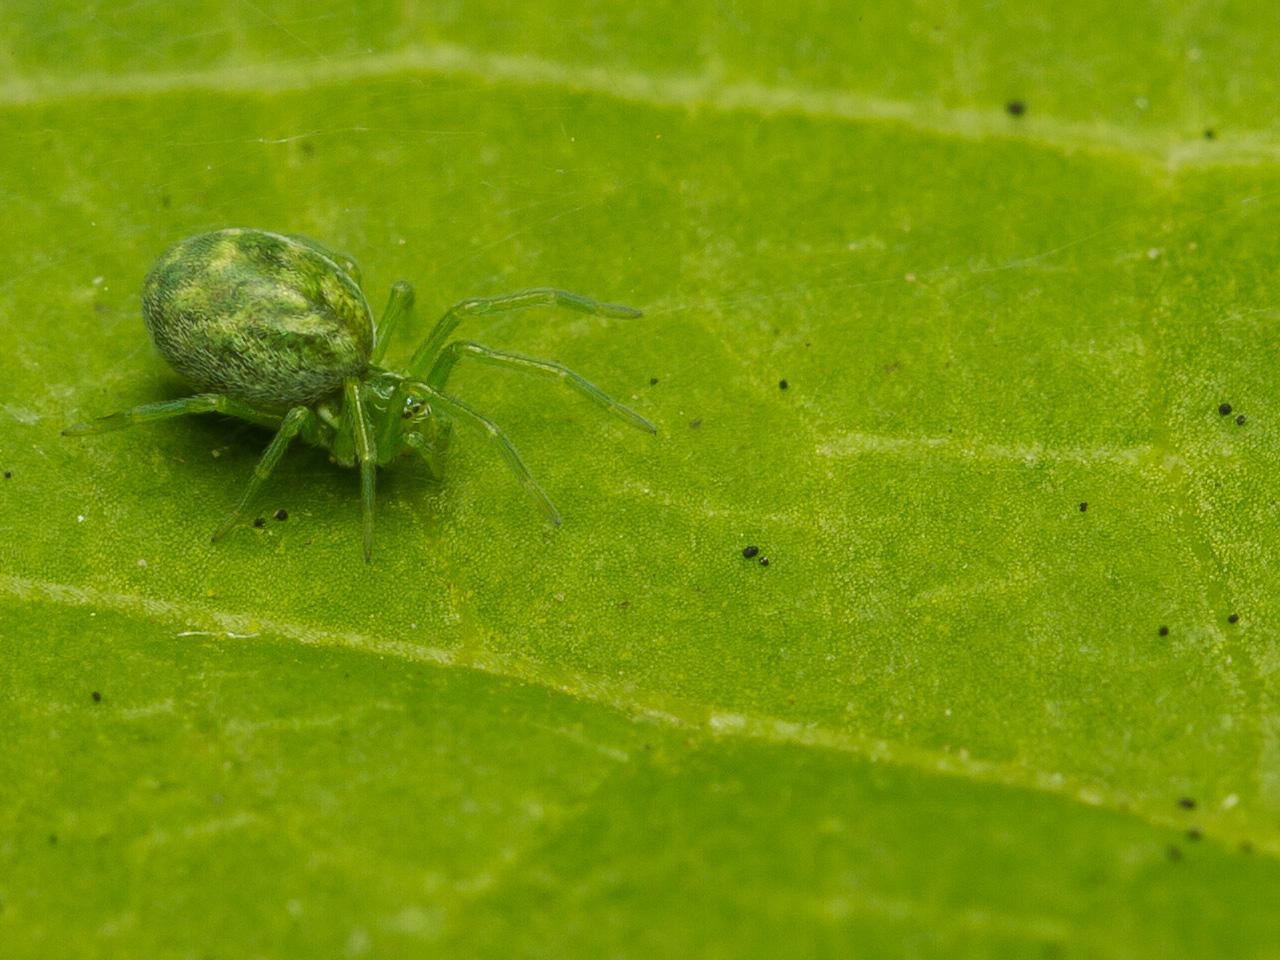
x: 1009, y: 684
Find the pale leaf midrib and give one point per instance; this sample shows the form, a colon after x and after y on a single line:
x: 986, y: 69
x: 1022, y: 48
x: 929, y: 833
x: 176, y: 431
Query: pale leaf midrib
x: 1166, y: 150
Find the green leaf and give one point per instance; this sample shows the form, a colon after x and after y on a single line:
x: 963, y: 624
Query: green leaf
x: 945, y: 720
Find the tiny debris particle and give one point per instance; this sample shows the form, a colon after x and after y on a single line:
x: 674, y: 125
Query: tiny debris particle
x: 653, y: 381
x: 260, y: 522
x: 1209, y: 134
x: 782, y: 384
x: 695, y: 424
x: 1084, y: 505
x: 97, y: 697
x: 282, y: 514
x: 750, y: 551
x: 1224, y: 408
x: 8, y: 474
x: 764, y: 561
x: 1164, y: 631
x: 1240, y: 420
x: 1016, y: 108
x: 1187, y: 803
x: 1233, y: 618
x: 1194, y: 834
x: 1175, y: 853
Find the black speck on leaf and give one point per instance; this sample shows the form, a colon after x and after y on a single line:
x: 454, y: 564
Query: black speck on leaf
x: 1224, y: 408
x: 1187, y: 803
x: 282, y: 514
x: 97, y: 696
x: 1175, y: 853
x: 8, y: 474
x: 1240, y: 420
x: 750, y: 551
x: 1164, y: 631
x: 1194, y: 834
x: 1209, y: 134
x: 1083, y: 506
x: 1233, y: 618
x: 260, y: 522
x: 1016, y: 108
x: 764, y: 561
x: 782, y: 384
x: 653, y: 381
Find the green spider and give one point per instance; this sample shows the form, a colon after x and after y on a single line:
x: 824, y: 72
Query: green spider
x: 275, y: 330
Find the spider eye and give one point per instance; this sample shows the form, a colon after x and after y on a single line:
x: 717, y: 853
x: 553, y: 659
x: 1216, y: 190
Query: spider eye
x: 413, y: 408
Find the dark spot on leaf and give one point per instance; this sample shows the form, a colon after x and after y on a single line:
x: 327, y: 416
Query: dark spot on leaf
x: 260, y: 522
x: 782, y: 384
x: 1240, y: 420
x: 1233, y: 618
x: 1164, y: 631
x: 1209, y: 134
x: 165, y: 201
x: 653, y: 381
x: 1187, y: 803
x: 1224, y: 408
x: 1175, y: 853
x: 53, y: 839
x: 282, y: 514
x: 1016, y: 108
x: 764, y: 561
x: 1246, y: 846
x: 750, y: 551
x: 1194, y: 834
x: 8, y: 474
x: 1083, y: 506
x: 97, y: 696
x: 695, y: 424
x: 308, y: 148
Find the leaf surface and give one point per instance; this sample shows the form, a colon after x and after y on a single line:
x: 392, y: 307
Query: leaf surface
x: 947, y: 718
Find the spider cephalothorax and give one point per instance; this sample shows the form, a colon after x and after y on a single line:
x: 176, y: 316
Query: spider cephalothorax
x: 275, y: 330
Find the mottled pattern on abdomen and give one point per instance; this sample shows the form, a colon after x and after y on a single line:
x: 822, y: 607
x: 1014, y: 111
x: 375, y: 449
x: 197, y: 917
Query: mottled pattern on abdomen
x: 268, y: 319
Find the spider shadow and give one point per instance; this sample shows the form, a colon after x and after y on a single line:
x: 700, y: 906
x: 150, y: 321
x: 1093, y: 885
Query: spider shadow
x: 307, y: 482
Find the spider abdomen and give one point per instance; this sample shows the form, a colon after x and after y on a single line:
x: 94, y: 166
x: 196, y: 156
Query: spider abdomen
x: 265, y: 318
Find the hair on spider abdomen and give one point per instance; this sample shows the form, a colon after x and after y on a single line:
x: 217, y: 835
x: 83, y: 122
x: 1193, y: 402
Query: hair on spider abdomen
x: 258, y: 316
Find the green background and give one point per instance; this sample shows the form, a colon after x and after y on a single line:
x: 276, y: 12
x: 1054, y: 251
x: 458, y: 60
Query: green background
x: 942, y: 722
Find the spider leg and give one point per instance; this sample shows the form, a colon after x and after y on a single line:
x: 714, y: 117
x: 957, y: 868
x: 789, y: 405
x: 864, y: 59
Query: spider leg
x: 292, y: 423
x: 493, y: 433
x: 366, y: 453
x: 399, y: 306
x: 455, y: 351
x: 513, y: 301
x: 166, y: 409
